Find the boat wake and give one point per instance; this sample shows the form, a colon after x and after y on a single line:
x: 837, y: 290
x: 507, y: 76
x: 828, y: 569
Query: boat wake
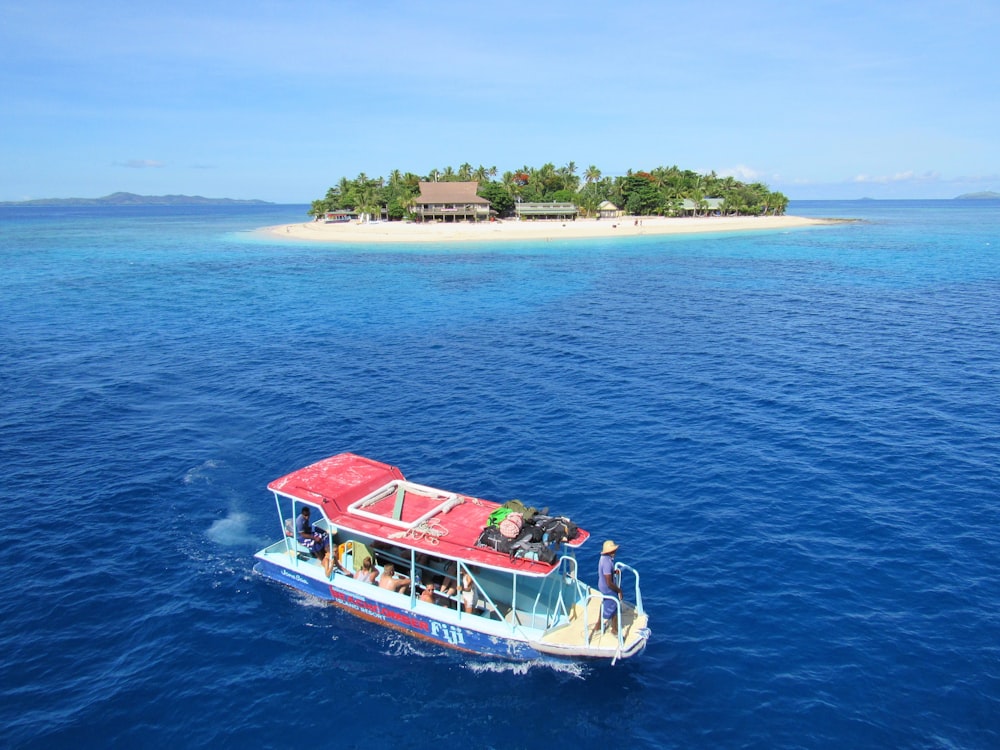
x: 200, y: 473
x: 307, y: 600
x: 396, y: 645
x: 231, y: 531
x: 572, y: 669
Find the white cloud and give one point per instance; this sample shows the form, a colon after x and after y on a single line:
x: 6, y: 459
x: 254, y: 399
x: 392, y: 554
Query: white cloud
x: 908, y: 176
x: 140, y: 164
x: 742, y: 173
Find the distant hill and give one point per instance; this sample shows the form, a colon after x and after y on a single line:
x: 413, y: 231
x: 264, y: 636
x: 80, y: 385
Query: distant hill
x: 988, y: 195
x: 131, y: 199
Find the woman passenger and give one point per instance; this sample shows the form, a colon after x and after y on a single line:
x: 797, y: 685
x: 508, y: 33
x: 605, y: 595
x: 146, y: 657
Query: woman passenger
x: 367, y: 573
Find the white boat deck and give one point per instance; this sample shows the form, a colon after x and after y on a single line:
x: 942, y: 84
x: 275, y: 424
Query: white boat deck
x: 583, y: 635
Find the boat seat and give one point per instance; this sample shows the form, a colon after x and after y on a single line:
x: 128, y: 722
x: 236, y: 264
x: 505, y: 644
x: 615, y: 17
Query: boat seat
x: 351, y: 555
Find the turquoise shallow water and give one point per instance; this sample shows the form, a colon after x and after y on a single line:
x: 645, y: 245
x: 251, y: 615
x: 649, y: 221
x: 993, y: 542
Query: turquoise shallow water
x: 793, y: 435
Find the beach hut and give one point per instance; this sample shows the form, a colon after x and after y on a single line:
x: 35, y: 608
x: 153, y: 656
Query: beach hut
x: 707, y: 206
x: 608, y: 210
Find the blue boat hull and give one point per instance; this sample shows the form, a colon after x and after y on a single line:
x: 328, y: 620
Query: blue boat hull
x: 446, y: 634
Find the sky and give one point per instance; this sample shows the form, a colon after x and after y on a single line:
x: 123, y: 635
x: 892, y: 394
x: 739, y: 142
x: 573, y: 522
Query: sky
x: 279, y: 100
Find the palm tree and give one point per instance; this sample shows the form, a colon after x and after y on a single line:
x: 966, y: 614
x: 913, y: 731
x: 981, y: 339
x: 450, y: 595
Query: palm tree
x: 346, y: 188
x: 569, y: 179
x: 512, y: 184
x: 593, y: 174
x: 366, y: 200
x: 465, y: 172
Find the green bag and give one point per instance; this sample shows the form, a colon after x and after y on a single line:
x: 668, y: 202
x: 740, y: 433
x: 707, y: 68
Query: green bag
x: 499, y: 514
x: 518, y: 507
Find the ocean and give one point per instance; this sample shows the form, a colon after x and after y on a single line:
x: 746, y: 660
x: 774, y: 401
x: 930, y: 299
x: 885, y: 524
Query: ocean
x: 793, y: 435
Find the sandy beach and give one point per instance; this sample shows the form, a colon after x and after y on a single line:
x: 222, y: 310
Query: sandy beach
x: 494, y: 231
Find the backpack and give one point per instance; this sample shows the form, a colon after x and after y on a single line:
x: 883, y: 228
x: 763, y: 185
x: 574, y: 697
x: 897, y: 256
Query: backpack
x: 533, y: 551
x: 557, y: 529
x: 491, y: 538
x: 535, y: 531
x: 526, y: 511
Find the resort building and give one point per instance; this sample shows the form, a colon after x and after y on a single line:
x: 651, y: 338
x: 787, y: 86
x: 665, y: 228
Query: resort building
x: 546, y: 211
x: 608, y: 210
x: 340, y: 216
x: 706, y: 205
x: 450, y: 201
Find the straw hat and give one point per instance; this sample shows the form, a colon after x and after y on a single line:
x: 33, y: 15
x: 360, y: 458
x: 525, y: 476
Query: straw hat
x: 608, y: 547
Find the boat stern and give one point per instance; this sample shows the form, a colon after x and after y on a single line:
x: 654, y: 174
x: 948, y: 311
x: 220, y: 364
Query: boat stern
x: 583, y: 635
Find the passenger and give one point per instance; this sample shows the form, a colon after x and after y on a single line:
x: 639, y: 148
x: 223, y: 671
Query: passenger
x: 449, y: 587
x: 389, y: 581
x: 312, y: 539
x: 468, y: 594
x: 428, y: 594
x: 308, y: 536
x: 367, y: 572
x: 607, y: 585
x: 422, y: 568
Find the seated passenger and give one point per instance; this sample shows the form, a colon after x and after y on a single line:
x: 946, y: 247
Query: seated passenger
x: 449, y: 587
x: 367, y: 572
x: 389, y: 581
x: 423, y: 561
x: 428, y: 594
x: 313, y: 539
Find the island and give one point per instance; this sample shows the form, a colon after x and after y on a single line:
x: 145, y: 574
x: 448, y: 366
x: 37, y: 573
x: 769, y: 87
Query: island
x: 546, y: 192
x: 987, y: 195
x: 131, y: 199
x: 532, y: 204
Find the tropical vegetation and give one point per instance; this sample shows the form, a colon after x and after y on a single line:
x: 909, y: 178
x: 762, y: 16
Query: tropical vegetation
x: 659, y: 192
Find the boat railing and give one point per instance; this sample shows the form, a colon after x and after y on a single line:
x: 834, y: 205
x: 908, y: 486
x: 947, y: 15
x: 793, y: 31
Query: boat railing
x: 622, y: 568
x: 480, y: 591
x: 589, y: 631
x: 553, y: 612
x: 568, y: 567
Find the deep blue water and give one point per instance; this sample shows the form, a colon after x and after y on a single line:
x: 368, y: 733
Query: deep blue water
x: 793, y: 435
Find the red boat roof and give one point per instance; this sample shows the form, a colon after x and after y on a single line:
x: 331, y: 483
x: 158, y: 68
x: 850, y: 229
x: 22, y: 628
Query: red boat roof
x: 374, y: 499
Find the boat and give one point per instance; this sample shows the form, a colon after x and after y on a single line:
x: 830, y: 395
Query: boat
x: 516, y: 599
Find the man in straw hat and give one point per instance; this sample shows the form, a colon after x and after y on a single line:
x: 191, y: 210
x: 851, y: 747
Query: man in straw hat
x: 607, y: 584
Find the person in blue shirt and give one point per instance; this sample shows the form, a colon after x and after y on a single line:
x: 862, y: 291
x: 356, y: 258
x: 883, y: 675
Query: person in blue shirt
x: 607, y: 584
x: 313, y: 540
